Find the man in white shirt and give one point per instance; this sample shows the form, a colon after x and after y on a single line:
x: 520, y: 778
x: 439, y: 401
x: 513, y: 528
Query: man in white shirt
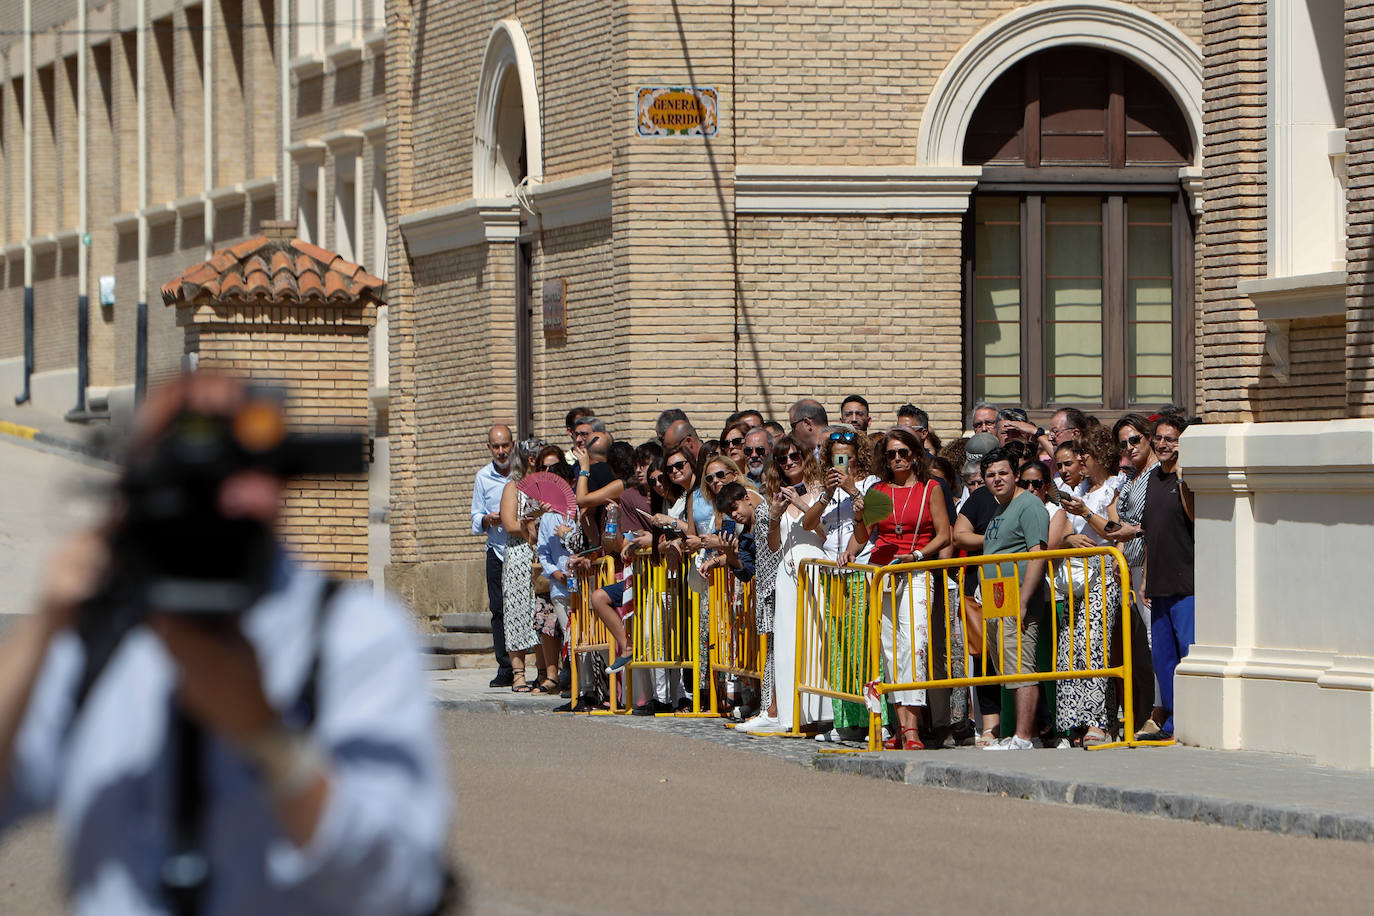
x: 490, y: 482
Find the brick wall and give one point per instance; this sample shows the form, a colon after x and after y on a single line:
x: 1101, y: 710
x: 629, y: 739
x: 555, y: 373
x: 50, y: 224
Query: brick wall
x: 456, y: 400
x: 823, y: 315
x: 577, y: 372
x: 320, y: 355
x: 838, y: 82
x: 1359, y: 123
x: 1233, y: 228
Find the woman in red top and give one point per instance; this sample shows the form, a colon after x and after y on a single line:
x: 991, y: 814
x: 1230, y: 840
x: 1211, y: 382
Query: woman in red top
x: 917, y: 530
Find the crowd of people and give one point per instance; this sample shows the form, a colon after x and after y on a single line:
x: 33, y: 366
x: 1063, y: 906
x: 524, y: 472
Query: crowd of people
x: 760, y: 499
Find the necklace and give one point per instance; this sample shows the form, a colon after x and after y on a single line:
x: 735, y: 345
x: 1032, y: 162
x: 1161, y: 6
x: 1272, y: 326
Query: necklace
x: 901, y: 512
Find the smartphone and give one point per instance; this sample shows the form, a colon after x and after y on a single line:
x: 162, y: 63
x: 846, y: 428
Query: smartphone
x: 1058, y: 495
x: 1111, y: 526
x: 840, y: 461
x: 801, y: 487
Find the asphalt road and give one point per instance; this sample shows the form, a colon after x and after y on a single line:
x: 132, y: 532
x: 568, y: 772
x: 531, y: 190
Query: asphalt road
x: 562, y: 815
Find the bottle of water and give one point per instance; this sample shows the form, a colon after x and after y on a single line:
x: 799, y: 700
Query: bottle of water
x: 612, y: 521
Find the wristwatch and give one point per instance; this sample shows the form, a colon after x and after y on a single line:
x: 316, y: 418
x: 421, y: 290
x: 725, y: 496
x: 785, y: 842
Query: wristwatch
x: 583, y: 472
x: 285, y: 759
x: 1040, y: 432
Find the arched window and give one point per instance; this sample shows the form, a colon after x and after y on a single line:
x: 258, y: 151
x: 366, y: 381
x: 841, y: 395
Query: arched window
x: 1078, y: 245
x: 507, y: 143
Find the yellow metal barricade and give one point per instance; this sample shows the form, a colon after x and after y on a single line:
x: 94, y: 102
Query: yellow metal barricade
x: 904, y: 599
x: 736, y: 646
x: 833, y: 655
x: 586, y: 632
x: 666, y: 628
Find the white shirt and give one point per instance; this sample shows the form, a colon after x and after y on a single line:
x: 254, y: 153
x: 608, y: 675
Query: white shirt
x: 837, y: 521
x: 379, y: 843
x: 487, y: 488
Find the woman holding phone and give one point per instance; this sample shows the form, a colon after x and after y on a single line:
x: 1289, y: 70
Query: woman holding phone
x: 792, y: 483
x: 1088, y: 589
x: 847, y: 458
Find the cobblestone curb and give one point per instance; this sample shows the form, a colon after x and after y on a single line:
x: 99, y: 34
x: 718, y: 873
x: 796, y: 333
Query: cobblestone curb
x: 1202, y: 809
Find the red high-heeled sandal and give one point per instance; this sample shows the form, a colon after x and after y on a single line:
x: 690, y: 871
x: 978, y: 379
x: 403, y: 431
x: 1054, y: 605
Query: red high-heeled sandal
x: 900, y: 741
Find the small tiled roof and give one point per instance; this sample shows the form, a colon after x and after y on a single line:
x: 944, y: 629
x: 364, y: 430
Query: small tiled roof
x: 264, y: 269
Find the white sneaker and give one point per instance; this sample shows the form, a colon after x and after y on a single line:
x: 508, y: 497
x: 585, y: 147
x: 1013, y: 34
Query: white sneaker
x: 830, y: 737
x: 1011, y: 743
x: 746, y: 724
x: 765, y: 724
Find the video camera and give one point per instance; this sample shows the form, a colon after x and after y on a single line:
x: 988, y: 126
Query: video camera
x: 173, y: 550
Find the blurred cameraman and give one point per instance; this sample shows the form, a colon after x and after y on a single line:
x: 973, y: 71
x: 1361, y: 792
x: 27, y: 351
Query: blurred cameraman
x: 274, y: 758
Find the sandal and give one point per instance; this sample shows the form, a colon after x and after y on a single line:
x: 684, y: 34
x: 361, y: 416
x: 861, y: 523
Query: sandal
x: 549, y: 686
x: 903, y: 743
x: 1095, y: 736
x: 521, y: 685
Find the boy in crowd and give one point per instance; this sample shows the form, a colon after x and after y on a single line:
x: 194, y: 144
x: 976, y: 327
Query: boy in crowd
x: 1020, y: 525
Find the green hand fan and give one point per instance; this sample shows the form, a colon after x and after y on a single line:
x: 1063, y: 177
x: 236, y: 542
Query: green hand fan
x: 877, y: 506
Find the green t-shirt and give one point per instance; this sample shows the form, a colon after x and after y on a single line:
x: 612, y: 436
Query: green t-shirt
x: 1017, y: 527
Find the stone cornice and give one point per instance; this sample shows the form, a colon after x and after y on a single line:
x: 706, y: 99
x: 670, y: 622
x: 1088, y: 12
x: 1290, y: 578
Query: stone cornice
x: 573, y: 201
x: 459, y: 226
x: 839, y: 189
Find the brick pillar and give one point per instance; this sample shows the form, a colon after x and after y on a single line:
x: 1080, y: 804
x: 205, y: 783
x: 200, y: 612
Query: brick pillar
x: 673, y: 212
x: 1232, y: 234
x: 1359, y: 167
x: 279, y: 310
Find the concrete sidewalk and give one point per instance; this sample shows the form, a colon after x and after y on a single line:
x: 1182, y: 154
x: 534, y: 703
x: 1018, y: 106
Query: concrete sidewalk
x: 1256, y: 791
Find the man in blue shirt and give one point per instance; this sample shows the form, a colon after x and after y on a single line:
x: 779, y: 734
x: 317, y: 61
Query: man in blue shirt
x: 486, y: 519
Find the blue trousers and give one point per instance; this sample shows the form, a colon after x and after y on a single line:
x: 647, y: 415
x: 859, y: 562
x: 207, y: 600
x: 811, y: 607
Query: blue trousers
x: 1171, y: 633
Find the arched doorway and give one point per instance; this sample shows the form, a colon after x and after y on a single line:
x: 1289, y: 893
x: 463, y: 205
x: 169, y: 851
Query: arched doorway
x: 507, y: 155
x: 1078, y: 244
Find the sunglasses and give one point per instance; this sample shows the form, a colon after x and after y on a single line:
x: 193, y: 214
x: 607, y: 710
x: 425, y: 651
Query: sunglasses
x: 676, y: 466
x: 902, y: 453
x: 843, y: 436
x: 792, y: 458
x: 1035, y: 484
x: 656, y: 480
x: 796, y: 423
x: 733, y: 443
x: 719, y: 475
x: 1171, y: 440
x: 760, y: 451
x: 1131, y: 441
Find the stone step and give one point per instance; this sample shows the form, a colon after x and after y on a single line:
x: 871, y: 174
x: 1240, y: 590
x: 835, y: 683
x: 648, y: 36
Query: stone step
x: 433, y: 661
x: 467, y: 623
x: 460, y: 642
x: 468, y: 660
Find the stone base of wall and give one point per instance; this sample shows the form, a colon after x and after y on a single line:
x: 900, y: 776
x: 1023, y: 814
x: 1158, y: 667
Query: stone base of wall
x: 437, y: 587
x: 52, y: 392
x: 1284, y: 653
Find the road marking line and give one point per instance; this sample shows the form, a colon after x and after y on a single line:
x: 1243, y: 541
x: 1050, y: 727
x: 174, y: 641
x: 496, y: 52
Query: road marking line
x: 14, y: 429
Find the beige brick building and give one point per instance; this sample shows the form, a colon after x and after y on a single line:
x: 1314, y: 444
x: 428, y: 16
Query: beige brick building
x: 159, y: 131
x: 915, y: 201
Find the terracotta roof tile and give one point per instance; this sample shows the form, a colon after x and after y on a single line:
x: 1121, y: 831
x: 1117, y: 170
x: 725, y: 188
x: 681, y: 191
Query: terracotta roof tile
x: 264, y: 269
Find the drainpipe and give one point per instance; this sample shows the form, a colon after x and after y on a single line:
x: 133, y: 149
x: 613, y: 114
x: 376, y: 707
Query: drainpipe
x: 83, y: 256
x: 141, y: 317
x: 207, y: 108
x: 284, y: 101
x: 23, y: 397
